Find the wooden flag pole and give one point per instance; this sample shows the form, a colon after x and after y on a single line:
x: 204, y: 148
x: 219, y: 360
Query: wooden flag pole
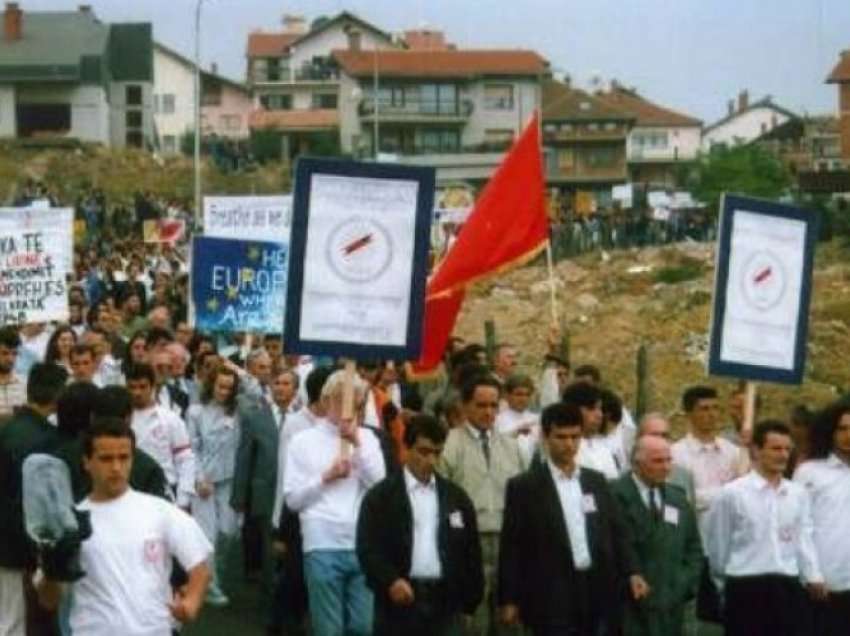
x: 349, y: 370
x: 550, y: 266
x: 749, y: 409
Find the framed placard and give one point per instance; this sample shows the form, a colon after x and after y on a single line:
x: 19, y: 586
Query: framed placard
x: 358, y: 259
x: 763, y: 284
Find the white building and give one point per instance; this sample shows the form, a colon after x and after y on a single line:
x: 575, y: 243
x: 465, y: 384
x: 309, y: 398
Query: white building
x: 745, y: 123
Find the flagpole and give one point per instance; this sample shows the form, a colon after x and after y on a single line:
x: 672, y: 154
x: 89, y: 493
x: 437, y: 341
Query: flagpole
x: 551, y: 268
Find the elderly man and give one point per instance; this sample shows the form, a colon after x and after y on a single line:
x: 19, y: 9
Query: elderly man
x: 329, y: 468
x: 656, y: 425
x: 663, y: 538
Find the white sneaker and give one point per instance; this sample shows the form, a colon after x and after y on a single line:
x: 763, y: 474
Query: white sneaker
x: 216, y: 598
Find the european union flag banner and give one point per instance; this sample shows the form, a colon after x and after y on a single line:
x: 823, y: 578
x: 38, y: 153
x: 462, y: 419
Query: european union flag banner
x: 238, y: 285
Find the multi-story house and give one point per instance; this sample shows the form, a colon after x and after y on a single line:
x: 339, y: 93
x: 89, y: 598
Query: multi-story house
x: 225, y: 105
x: 746, y: 122
x: 455, y: 109
x: 66, y: 74
x: 585, y: 146
x: 661, y: 139
x: 296, y: 85
x: 840, y: 75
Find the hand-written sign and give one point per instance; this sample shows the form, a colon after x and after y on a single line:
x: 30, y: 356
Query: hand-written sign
x: 35, y: 259
x: 249, y: 218
x: 238, y: 285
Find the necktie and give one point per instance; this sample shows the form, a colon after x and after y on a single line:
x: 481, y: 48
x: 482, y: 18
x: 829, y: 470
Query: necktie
x: 654, y: 503
x: 485, y: 446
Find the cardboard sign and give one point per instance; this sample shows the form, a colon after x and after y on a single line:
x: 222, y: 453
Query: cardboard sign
x: 266, y: 218
x: 36, y: 256
x: 238, y: 285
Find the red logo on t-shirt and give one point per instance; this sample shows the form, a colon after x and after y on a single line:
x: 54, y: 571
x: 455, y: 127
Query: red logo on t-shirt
x: 153, y: 550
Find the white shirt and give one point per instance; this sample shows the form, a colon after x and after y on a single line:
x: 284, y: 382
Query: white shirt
x: 127, y: 561
x: 108, y: 373
x: 712, y: 464
x: 294, y: 424
x: 328, y: 512
x: 162, y: 434
x: 754, y: 528
x: 425, y: 558
x: 595, y: 452
x: 573, y: 509
x: 644, y: 490
x: 828, y: 483
x: 508, y: 422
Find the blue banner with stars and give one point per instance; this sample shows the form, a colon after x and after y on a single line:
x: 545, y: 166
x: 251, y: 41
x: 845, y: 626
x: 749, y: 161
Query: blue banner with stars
x: 238, y: 285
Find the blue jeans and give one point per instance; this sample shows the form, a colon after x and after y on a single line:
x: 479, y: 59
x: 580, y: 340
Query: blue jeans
x: 340, y: 602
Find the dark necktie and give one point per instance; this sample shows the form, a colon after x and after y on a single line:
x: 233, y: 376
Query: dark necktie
x: 485, y: 446
x: 655, y: 503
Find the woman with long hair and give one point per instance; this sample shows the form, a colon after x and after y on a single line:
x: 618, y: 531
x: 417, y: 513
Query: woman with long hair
x: 214, y: 435
x: 137, y: 352
x: 59, y: 346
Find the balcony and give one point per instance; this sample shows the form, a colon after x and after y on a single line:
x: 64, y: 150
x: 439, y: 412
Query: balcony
x: 420, y: 111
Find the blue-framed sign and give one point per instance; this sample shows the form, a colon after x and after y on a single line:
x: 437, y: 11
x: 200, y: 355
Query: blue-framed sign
x: 238, y: 285
x: 763, y: 285
x: 358, y: 259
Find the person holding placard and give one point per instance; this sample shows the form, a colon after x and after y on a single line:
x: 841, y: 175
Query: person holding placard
x: 329, y: 468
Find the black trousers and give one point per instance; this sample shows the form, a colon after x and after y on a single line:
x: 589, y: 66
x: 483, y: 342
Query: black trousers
x: 768, y: 605
x: 428, y: 616
x: 832, y: 618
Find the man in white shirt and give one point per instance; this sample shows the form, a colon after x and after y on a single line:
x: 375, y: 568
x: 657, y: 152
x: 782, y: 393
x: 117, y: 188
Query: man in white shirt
x: 162, y: 434
x: 515, y: 418
x: 826, y: 477
x: 127, y: 560
x: 595, y: 450
x: 329, y: 468
x: 759, y: 542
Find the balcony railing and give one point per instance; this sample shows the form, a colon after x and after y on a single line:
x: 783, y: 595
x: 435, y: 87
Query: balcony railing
x: 419, y: 109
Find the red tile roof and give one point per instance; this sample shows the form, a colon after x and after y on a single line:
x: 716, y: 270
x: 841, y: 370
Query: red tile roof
x: 317, y: 119
x: 269, y: 44
x: 561, y: 102
x: 841, y: 72
x: 645, y: 112
x: 437, y: 64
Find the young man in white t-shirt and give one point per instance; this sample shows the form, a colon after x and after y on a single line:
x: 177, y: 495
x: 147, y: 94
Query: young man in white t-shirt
x: 127, y: 560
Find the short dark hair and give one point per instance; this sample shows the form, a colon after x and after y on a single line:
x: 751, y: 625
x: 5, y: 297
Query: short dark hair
x: 45, y: 383
x: 155, y: 334
x: 694, y: 394
x: 106, y: 426
x: 612, y: 407
x: 141, y: 371
x: 822, y: 436
x: 588, y: 370
x: 75, y: 406
x: 315, y: 381
x: 582, y: 394
x: 765, y: 428
x: 473, y: 383
x: 113, y: 401
x: 467, y: 371
x: 426, y: 426
x: 81, y: 349
x: 9, y: 338
x: 561, y: 415
x: 518, y: 381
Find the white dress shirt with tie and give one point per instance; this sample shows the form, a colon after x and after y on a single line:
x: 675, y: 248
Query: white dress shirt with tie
x: 425, y: 559
x: 573, y: 509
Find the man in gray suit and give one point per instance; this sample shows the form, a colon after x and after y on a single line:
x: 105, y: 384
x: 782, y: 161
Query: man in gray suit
x: 656, y: 425
x: 260, y: 420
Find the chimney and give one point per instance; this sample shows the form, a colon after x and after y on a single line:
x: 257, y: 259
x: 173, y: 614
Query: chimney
x: 743, y: 101
x: 12, y: 19
x: 731, y: 107
x: 353, y: 40
x: 294, y: 24
x: 214, y: 68
x: 85, y: 8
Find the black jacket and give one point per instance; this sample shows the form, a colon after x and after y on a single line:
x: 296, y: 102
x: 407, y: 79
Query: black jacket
x: 385, y: 542
x: 536, y: 570
x: 26, y: 433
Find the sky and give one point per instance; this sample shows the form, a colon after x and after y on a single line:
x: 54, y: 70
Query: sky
x: 689, y: 55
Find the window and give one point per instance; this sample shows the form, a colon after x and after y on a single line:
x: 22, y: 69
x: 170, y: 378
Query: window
x: 566, y: 160
x: 276, y: 102
x: 272, y: 69
x: 133, y: 95
x: 592, y: 127
x: 438, y: 99
x: 230, y: 122
x: 498, y: 137
x: 610, y: 126
x: 211, y: 94
x: 169, y: 144
x: 133, y: 118
x: 439, y: 140
x: 324, y: 100
x: 168, y: 103
x: 602, y: 157
x: 134, y: 138
x: 499, y: 97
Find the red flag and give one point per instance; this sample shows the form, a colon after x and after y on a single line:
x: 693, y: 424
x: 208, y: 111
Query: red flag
x: 508, y: 225
x: 440, y: 316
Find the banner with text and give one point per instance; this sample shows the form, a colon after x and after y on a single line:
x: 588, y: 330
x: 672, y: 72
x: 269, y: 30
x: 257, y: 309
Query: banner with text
x: 266, y: 218
x: 238, y: 285
x: 36, y: 256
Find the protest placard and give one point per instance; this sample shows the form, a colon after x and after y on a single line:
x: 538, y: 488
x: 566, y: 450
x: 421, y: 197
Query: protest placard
x: 358, y: 261
x: 252, y: 218
x: 36, y: 256
x: 763, y: 286
x: 238, y: 285
x: 163, y: 230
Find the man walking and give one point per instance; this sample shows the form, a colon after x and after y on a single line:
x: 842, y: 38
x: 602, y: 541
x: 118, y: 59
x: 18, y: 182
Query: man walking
x: 417, y: 542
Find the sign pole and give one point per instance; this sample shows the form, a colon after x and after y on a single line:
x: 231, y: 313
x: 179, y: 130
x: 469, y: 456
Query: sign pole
x: 749, y: 408
x: 347, y: 404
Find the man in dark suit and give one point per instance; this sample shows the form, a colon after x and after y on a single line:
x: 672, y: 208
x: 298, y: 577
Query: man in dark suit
x: 664, y: 540
x: 564, y: 559
x: 417, y: 543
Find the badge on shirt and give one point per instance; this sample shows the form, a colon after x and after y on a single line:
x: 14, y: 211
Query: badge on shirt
x: 456, y: 520
x: 786, y: 534
x: 671, y: 515
x: 154, y: 550
x: 588, y: 504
